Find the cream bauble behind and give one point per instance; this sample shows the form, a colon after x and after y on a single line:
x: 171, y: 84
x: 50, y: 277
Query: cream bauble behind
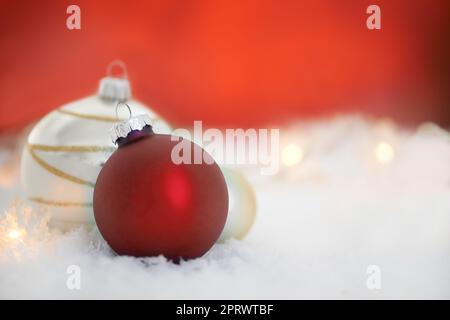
x: 67, y: 148
x: 241, y: 205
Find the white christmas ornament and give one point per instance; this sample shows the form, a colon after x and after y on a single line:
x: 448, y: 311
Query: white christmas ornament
x: 241, y: 206
x: 67, y: 148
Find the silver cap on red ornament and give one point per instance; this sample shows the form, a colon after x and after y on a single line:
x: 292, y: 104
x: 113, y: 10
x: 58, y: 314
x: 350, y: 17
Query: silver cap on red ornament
x: 132, y: 128
x: 115, y: 88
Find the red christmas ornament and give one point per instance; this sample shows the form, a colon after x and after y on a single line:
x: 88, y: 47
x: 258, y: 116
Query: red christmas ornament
x: 146, y: 205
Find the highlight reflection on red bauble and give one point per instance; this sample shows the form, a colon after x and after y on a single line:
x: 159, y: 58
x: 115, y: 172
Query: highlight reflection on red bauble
x: 145, y: 205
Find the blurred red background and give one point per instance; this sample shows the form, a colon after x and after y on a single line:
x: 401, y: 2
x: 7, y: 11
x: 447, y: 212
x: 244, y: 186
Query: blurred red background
x: 231, y: 63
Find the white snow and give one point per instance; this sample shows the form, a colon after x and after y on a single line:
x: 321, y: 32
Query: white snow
x: 319, y: 226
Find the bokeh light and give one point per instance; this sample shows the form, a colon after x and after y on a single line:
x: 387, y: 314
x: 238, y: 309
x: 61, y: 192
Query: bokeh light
x: 384, y: 152
x: 292, y: 155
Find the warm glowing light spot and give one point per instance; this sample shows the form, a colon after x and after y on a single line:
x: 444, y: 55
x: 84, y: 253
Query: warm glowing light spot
x: 15, y: 234
x: 292, y: 155
x: 384, y: 152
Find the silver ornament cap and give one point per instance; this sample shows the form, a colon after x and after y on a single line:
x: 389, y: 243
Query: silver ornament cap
x: 115, y: 88
x: 124, y: 128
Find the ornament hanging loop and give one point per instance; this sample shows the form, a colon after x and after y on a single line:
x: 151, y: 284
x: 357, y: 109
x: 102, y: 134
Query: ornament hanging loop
x: 126, y: 105
x: 121, y: 65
